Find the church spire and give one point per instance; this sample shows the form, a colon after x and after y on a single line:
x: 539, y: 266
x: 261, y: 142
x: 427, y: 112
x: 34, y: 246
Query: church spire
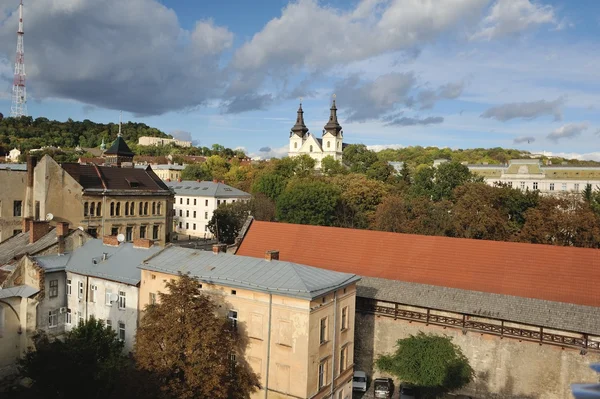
x: 333, y: 125
x: 300, y: 128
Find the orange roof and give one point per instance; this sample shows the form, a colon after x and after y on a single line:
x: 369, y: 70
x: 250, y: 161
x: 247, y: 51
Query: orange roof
x: 562, y: 274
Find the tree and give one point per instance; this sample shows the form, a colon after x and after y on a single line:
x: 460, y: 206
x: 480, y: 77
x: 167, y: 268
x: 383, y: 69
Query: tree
x: 227, y: 221
x: 405, y: 174
x: 90, y: 354
x: 359, y: 199
x: 431, y: 362
x: 358, y: 158
x: 262, y: 207
x: 195, y: 172
x: 270, y: 184
x: 332, y: 167
x: 305, y: 165
x: 380, y: 170
x: 308, y: 202
x: 185, y: 341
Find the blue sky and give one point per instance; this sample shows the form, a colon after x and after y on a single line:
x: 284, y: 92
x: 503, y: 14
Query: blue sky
x: 454, y: 73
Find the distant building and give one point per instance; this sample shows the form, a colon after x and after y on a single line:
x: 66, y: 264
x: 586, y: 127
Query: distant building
x: 168, y: 172
x: 303, y: 142
x: 195, y: 203
x: 299, y: 320
x: 532, y: 174
x: 13, y: 155
x: 397, y: 166
x: 145, y: 140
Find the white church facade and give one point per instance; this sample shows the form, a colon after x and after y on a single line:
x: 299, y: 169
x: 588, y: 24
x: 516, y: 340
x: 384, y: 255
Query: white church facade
x: 304, y: 142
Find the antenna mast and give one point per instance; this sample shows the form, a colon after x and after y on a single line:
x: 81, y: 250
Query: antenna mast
x: 19, y: 97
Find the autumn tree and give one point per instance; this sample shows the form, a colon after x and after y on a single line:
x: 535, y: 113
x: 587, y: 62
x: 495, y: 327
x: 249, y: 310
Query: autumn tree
x: 91, y: 354
x: 192, y: 347
x: 433, y: 363
x: 308, y: 202
x: 227, y: 221
x: 359, y: 199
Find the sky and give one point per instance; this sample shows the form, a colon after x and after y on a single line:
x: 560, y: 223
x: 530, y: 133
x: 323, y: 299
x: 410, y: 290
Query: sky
x: 449, y: 73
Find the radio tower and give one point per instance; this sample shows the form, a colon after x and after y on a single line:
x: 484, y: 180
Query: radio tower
x: 19, y: 98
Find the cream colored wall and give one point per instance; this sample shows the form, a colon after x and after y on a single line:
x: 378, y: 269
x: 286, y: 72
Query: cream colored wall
x: 168, y: 174
x: 294, y: 349
x: 16, y: 182
x: 10, y: 339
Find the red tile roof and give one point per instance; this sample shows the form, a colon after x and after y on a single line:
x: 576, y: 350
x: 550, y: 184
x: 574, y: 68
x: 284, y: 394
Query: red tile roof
x: 562, y: 274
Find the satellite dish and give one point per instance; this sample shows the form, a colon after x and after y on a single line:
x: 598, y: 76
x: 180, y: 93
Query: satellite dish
x: 81, y: 228
x: 114, y: 297
x: 49, y: 217
x: 120, y: 238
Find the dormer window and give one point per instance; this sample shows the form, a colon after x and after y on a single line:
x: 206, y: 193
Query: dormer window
x: 328, y: 144
x: 311, y: 149
x: 133, y: 183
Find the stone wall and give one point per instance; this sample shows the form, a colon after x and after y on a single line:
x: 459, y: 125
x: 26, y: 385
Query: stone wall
x: 504, y: 368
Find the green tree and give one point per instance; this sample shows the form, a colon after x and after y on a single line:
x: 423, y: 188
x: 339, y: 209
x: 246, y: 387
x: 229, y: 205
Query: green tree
x: 195, y: 172
x: 270, y: 184
x: 262, y: 207
x: 358, y: 158
x: 187, y: 342
x: 431, y: 362
x: 359, y: 199
x: 308, y: 202
x: 90, y: 354
x: 380, y: 170
x: 228, y: 220
x: 305, y: 166
x: 405, y: 174
x: 332, y: 167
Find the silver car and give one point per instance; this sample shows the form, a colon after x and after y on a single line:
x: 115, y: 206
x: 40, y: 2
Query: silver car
x: 359, y: 382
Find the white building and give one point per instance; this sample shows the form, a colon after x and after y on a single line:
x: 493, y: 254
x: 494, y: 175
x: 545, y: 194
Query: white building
x: 532, y: 174
x: 195, y: 203
x: 330, y: 144
x: 101, y: 280
x: 13, y: 155
x: 145, y: 140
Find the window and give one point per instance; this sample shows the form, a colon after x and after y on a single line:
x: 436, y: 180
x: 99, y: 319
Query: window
x: 180, y: 201
x: 563, y: 187
x: 53, y: 318
x: 85, y: 209
x: 141, y: 209
x: 180, y: 225
x: 194, y: 201
x: 187, y: 214
x: 109, y: 323
x: 295, y: 145
x: 131, y: 208
x: 129, y: 233
x: 323, y: 331
x: 152, y: 299
x: 311, y: 148
x: 205, y: 215
x: 522, y: 185
x: 158, y: 210
x: 80, y: 291
x: 233, y: 292
x: 122, y: 331
x: 551, y: 186
x: 194, y: 226
x: 17, y: 208
x: 344, y: 318
x: 328, y: 144
x: 343, y: 359
x: 154, y: 208
x: 142, y: 231
x: 69, y: 286
x: 80, y: 317
x: 194, y: 214
x: 510, y: 184
x: 93, y: 289
x: 233, y: 316
x: 127, y: 209
x: 122, y: 301
x: 92, y: 209
x: 145, y: 208
x: 107, y: 299
x: 93, y: 232
x: 205, y: 202
x: 53, y: 288
x: 180, y: 213
x: 114, y: 231
x: 218, y: 202
x: 68, y: 317
x: 576, y: 187
x: 118, y: 209
x: 155, y: 232
x: 322, y: 375
x: 99, y: 209
x: 535, y: 185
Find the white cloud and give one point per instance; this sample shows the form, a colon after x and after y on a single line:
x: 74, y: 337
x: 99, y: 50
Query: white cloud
x: 279, y: 152
x: 585, y: 156
x: 524, y: 139
x: 568, y: 131
x: 380, y: 147
x: 526, y: 110
x: 508, y: 17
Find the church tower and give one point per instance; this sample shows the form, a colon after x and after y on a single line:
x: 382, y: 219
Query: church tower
x: 119, y: 152
x: 297, y: 134
x: 333, y: 135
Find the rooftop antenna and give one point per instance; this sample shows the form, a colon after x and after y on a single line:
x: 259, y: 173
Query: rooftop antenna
x: 19, y: 94
x: 120, y: 122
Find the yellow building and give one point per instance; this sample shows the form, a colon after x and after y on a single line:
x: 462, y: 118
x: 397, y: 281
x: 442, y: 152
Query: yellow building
x: 299, y: 319
x: 168, y: 172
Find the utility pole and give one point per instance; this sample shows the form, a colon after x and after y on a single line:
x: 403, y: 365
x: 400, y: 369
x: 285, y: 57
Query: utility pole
x: 19, y: 95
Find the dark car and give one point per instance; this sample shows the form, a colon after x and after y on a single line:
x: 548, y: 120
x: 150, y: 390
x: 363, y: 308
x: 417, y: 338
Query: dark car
x: 384, y: 387
x: 407, y: 391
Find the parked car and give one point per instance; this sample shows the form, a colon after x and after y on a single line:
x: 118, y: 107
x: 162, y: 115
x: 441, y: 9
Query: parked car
x: 407, y: 391
x: 384, y: 387
x: 359, y: 382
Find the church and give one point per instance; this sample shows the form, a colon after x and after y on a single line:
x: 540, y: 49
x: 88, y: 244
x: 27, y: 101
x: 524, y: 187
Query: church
x: 330, y: 144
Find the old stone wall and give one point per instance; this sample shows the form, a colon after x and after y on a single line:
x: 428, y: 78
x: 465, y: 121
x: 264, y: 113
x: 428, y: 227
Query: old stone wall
x: 504, y: 368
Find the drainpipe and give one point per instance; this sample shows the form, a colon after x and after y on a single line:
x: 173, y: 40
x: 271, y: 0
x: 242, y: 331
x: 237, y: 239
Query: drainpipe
x: 87, y: 287
x: 103, y: 213
x: 334, y: 342
x: 268, y: 346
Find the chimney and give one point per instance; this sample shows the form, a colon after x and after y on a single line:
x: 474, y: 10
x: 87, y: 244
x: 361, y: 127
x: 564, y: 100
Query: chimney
x: 25, y: 224
x: 272, y: 255
x: 179, y: 180
x: 31, y: 163
x: 62, y: 229
x: 60, y: 245
x: 219, y: 248
x: 110, y: 240
x: 142, y: 243
x: 37, y: 229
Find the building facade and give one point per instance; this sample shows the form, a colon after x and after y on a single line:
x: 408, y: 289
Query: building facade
x: 195, y: 203
x: 168, y: 172
x: 300, y: 329
x: 145, y: 140
x: 302, y: 142
x: 14, y: 180
x: 13, y: 155
x: 532, y: 174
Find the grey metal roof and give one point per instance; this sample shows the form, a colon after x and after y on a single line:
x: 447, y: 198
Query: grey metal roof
x: 14, y: 166
x: 538, y: 312
x: 276, y: 277
x: 23, y: 291
x: 168, y: 167
x: 19, y: 245
x: 205, y: 189
x: 121, y: 262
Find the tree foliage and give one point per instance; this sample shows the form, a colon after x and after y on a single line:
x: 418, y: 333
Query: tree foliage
x: 90, y: 354
x: 309, y: 202
x: 227, y: 221
x: 187, y: 343
x: 431, y: 362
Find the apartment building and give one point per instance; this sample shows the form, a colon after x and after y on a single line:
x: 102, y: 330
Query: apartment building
x: 532, y: 174
x: 168, y: 172
x: 145, y: 140
x: 13, y: 179
x: 299, y: 319
x: 195, y: 202
x: 100, y: 279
